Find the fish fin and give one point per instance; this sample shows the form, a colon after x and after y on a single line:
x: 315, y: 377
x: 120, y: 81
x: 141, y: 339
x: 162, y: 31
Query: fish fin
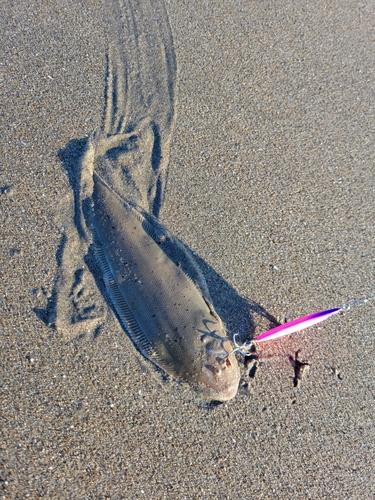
x: 127, y: 206
x: 127, y: 319
x: 211, y: 308
x: 156, y: 231
x: 123, y: 311
x: 176, y: 251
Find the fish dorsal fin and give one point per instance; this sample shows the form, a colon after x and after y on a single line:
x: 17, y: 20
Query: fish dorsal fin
x: 156, y: 231
x: 177, y: 252
x: 126, y: 317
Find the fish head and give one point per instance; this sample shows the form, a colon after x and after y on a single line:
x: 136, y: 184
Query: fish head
x: 220, y: 373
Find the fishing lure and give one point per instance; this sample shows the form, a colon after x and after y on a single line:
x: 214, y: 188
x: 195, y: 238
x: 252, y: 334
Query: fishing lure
x: 297, y: 325
x: 306, y: 321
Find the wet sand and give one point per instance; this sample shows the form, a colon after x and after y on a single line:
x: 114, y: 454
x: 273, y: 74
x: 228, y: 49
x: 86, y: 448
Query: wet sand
x: 272, y: 184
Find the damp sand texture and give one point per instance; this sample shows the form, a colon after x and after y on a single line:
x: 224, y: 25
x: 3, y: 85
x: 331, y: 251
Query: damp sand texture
x: 271, y: 166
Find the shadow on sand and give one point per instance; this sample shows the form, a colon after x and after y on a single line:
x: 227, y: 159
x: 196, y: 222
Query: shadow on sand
x: 236, y: 312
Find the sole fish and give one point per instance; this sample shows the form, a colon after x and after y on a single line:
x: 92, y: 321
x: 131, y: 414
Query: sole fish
x: 166, y: 315
x: 159, y: 294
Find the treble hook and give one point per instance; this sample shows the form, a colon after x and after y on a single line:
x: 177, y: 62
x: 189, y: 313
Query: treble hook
x: 243, y: 349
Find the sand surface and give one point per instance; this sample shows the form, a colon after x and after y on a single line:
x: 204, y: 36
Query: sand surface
x: 272, y: 184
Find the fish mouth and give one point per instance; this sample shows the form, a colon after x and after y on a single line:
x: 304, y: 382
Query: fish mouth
x: 229, y: 393
x: 224, y: 393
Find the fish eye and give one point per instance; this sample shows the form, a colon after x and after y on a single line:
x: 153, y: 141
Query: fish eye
x: 220, y: 361
x: 212, y: 369
x: 228, y: 363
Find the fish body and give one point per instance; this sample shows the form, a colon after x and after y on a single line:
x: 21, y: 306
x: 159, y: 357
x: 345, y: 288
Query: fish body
x: 165, y: 313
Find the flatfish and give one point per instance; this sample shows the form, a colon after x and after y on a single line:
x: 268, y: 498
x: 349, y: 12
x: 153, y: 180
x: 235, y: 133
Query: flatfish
x: 161, y: 308
x: 153, y: 283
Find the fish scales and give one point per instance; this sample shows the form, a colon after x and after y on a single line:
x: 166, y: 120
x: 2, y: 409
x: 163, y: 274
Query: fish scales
x: 166, y: 315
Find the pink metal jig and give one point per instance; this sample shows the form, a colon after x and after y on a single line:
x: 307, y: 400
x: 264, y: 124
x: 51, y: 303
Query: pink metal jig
x: 297, y: 324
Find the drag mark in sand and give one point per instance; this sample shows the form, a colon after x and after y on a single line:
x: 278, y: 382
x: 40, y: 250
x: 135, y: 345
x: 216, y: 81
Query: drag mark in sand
x: 130, y: 151
x: 150, y: 277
